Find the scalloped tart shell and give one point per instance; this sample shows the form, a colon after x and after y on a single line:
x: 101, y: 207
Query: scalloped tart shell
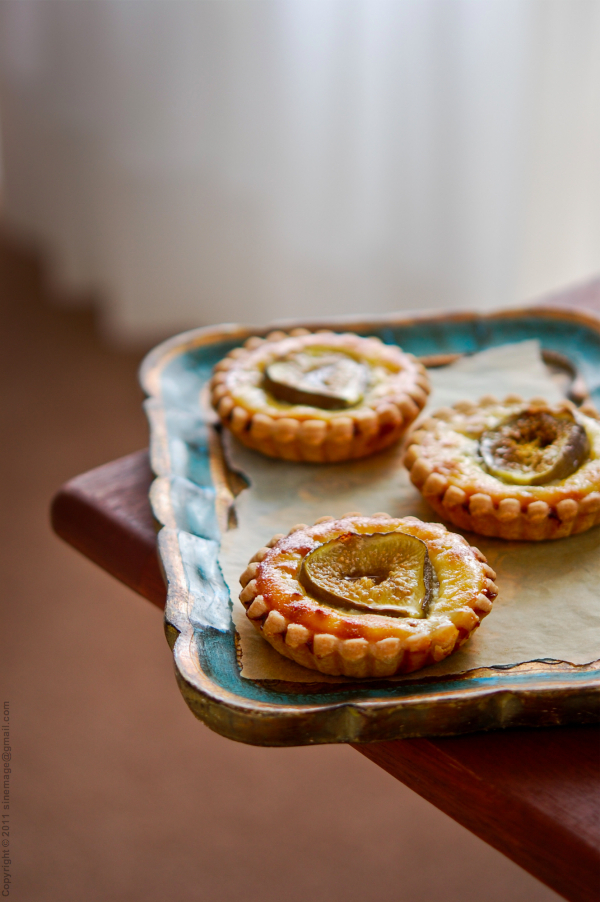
x: 396, y: 394
x: 357, y: 644
x: 445, y: 465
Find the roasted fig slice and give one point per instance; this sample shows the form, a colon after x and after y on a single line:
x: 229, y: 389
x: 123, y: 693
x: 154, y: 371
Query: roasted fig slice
x: 535, y: 447
x: 328, y: 380
x: 385, y: 573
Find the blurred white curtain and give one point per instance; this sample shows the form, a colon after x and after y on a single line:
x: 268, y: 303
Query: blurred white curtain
x: 200, y: 162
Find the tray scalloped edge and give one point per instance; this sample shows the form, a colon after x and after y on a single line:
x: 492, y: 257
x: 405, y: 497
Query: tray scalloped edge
x: 540, y: 693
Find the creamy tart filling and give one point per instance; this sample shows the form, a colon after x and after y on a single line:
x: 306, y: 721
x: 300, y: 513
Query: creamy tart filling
x: 367, y: 596
x: 318, y: 396
x: 510, y: 469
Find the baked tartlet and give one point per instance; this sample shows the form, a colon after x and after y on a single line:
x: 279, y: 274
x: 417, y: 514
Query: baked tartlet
x: 510, y: 469
x: 367, y: 596
x: 319, y: 396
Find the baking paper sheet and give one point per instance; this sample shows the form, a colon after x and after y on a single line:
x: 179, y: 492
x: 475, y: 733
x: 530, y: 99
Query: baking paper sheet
x: 548, y: 607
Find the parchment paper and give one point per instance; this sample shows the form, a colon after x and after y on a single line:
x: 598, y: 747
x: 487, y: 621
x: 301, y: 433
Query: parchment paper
x: 548, y: 607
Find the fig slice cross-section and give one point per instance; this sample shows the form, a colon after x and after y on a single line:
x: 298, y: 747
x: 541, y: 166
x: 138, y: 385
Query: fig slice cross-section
x: 384, y: 573
x: 328, y: 379
x: 534, y: 447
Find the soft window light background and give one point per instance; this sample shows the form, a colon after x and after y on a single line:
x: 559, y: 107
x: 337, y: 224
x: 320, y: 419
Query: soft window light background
x: 213, y: 161
x: 189, y: 163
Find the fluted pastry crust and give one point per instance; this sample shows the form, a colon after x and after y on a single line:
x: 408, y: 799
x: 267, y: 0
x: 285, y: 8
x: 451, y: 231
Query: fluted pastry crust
x: 445, y: 465
x: 357, y: 644
x: 396, y: 393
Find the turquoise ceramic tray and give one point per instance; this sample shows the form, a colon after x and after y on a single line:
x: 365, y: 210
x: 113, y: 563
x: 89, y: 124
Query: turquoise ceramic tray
x: 192, y: 495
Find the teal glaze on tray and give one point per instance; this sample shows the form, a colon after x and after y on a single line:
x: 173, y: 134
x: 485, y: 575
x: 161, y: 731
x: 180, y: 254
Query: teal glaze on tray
x: 197, y: 616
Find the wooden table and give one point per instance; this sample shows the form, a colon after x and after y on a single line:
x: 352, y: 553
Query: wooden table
x: 532, y: 794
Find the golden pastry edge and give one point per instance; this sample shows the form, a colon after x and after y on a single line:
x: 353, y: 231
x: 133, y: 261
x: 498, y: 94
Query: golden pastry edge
x: 488, y: 506
x: 366, y: 645
x: 310, y: 434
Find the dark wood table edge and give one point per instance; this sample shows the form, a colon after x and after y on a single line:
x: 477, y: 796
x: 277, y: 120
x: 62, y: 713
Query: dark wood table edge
x: 105, y: 514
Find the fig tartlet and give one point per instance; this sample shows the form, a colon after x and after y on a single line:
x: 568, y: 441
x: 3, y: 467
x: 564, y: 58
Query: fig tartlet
x: 367, y: 596
x: 319, y: 396
x: 510, y: 469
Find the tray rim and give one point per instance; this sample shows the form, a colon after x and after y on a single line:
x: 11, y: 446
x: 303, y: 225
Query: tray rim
x: 551, y: 695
